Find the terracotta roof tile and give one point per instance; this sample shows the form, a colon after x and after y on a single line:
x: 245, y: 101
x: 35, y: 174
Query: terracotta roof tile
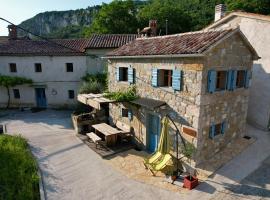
x: 111, y: 40
x: 186, y: 43
x: 59, y: 47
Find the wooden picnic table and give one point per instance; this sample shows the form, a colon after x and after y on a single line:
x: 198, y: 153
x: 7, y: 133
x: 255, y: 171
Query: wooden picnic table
x: 109, y: 132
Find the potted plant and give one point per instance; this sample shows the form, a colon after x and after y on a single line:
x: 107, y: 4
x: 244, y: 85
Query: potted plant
x: 190, y: 181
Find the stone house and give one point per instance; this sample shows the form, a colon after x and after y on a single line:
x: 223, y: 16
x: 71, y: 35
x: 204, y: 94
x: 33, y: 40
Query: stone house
x: 256, y: 28
x: 200, y: 79
x: 56, y: 67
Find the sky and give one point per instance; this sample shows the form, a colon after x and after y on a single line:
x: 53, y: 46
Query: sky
x: 17, y: 11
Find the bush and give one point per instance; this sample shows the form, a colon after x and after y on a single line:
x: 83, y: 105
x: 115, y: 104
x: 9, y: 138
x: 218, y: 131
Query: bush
x: 123, y: 96
x: 18, y: 170
x: 94, y: 83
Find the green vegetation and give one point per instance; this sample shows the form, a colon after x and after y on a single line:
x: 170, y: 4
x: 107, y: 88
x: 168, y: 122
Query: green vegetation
x: 126, y: 16
x: 94, y: 83
x: 11, y: 81
x: 123, y: 96
x: 18, y: 175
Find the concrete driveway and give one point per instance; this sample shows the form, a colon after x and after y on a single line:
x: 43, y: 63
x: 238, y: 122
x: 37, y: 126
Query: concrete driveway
x: 73, y: 171
x: 70, y: 169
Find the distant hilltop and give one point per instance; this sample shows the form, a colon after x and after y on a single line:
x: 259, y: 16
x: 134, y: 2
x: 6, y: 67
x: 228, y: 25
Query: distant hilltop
x: 60, y: 24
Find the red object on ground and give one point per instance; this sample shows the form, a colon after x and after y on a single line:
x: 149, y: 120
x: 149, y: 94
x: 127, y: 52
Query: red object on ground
x: 190, y: 182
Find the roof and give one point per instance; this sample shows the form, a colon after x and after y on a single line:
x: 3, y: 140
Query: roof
x: 232, y: 15
x: 110, y: 40
x: 186, y: 43
x: 149, y: 103
x: 62, y: 47
x: 23, y: 47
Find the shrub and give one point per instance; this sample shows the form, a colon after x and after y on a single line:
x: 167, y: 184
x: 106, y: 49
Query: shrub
x: 123, y: 96
x: 18, y: 170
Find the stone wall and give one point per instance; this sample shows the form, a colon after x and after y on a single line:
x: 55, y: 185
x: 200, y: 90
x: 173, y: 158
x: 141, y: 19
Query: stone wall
x: 193, y: 106
x: 229, y: 106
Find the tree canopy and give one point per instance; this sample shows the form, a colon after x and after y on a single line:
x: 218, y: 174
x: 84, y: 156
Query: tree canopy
x: 117, y: 17
x: 126, y: 16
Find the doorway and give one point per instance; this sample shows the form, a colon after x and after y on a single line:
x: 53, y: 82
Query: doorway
x: 41, y: 100
x: 153, y: 132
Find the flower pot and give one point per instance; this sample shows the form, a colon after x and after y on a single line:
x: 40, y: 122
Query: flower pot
x: 173, y: 177
x: 190, y: 182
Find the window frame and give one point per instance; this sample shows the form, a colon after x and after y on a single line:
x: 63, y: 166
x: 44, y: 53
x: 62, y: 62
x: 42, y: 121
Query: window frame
x: 224, y: 79
x: 38, y: 67
x: 240, y: 83
x: 123, y: 74
x: 69, y: 67
x: 71, y: 94
x: 165, y: 78
x: 13, y: 67
x: 16, y: 94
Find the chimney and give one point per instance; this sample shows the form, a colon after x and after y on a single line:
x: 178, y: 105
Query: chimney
x: 220, y: 11
x: 12, y: 32
x: 153, y: 27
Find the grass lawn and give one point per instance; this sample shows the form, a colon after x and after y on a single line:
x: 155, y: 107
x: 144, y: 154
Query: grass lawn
x: 18, y: 170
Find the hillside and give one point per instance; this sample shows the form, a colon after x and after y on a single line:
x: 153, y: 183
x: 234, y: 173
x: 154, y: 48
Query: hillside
x: 60, y: 24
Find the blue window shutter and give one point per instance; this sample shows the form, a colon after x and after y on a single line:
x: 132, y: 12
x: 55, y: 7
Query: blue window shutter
x: 212, y: 131
x: 234, y: 79
x: 212, y: 76
x: 130, y: 115
x: 247, y: 78
x: 176, y: 79
x: 223, y: 127
x: 130, y: 75
x: 154, y: 77
x: 117, y: 73
x: 229, y: 80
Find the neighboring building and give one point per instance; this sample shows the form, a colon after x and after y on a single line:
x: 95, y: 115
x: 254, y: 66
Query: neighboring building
x: 56, y: 67
x: 200, y: 79
x: 256, y: 28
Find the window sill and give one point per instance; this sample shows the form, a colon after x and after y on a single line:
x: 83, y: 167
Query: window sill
x: 168, y: 89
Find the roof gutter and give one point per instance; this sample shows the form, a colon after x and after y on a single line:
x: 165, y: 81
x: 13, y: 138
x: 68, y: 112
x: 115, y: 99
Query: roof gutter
x: 156, y: 56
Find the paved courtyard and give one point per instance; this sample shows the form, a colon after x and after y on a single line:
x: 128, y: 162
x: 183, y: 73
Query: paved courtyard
x: 73, y: 171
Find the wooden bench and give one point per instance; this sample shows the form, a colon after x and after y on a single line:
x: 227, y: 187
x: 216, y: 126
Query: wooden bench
x: 125, y: 131
x: 96, y: 139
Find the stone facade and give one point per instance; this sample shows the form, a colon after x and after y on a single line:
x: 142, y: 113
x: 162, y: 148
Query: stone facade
x: 256, y: 29
x: 193, y: 106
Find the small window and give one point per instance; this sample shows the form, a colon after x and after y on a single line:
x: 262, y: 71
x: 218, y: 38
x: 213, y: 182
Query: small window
x: 240, y: 80
x: 38, y: 67
x: 16, y: 93
x: 218, y: 129
x: 71, y: 94
x: 124, y: 112
x: 221, y: 80
x: 12, y: 67
x: 123, y: 74
x: 165, y: 78
x: 69, y: 67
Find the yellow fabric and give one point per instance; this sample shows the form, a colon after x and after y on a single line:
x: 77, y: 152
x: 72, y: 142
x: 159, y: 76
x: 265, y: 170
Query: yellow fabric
x: 153, y: 158
x: 164, y: 141
x: 163, y: 163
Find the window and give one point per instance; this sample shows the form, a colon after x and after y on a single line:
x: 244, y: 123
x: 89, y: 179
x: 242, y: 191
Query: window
x: 124, y: 112
x: 165, y: 78
x: 240, y: 80
x: 12, y: 67
x: 217, y: 129
x: 38, y: 67
x: 123, y: 74
x: 16, y: 93
x: 71, y: 94
x: 69, y: 67
x: 221, y: 80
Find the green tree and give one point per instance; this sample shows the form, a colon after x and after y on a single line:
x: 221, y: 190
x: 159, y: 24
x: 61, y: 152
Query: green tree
x: 162, y: 10
x: 255, y: 6
x: 11, y: 81
x: 117, y: 17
